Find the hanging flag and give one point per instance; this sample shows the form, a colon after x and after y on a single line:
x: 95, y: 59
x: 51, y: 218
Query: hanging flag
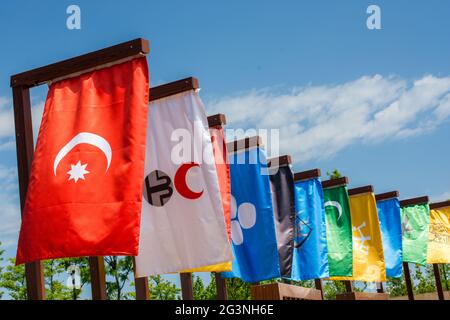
x: 182, y: 224
x: 368, y: 256
x: 223, y: 173
x: 311, y: 252
x: 339, y: 231
x: 439, y: 236
x: 252, y: 220
x: 391, y: 232
x: 85, y: 191
x: 282, y: 186
x: 415, y: 225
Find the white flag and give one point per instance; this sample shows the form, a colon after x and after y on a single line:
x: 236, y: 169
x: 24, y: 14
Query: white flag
x: 182, y: 221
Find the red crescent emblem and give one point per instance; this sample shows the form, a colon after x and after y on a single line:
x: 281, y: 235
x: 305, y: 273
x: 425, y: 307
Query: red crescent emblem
x: 180, y: 182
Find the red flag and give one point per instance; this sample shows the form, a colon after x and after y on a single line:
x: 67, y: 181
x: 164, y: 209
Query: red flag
x: 223, y: 172
x: 85, y: 190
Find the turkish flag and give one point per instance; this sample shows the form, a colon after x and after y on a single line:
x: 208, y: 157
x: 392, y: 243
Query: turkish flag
x: 85, y: 192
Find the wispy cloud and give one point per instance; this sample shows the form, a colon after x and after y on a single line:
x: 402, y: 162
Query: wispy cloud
x: 441, y: 197
x: 320, y: 121
x: 6, y: 118
x: 7, y: 122
x: 9, y: 206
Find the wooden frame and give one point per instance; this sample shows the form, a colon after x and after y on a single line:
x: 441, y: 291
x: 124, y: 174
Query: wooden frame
x: 306, y: 175
x: 414, y: 201
x: 283, y: 291
x: 243, y: 144
x: 387, y: 195
x: 279, y: 161
x: 360, y: 190
x: 172, y: 88
x: 21, y: 84
x: 335, y: 183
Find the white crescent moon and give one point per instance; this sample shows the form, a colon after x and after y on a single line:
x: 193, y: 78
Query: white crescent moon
x: 335, y: 204
x: 84, y: 137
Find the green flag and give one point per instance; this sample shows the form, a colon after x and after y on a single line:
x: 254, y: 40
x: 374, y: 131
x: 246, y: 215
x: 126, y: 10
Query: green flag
x: 415, y: 223
x: 339, y: 231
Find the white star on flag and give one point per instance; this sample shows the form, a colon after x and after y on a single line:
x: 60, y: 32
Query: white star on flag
x: 77, y: 171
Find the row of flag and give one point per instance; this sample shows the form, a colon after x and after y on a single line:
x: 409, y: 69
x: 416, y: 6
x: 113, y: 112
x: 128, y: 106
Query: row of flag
x: 116, y: 175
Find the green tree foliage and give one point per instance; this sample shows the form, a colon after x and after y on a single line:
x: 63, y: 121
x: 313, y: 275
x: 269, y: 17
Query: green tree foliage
x: 396, y: 287
x: 1, y: 267
x: 444, y: 269
x: 55, y: 276
x: 13, y: 280
x: 335, y: 174
x: 57, y: 269
x: 238, y: 289
x: 118, y: 270
x: 424, y: 277
x: 332, y: 288
x: 161, y: 289
x: 204, y: 293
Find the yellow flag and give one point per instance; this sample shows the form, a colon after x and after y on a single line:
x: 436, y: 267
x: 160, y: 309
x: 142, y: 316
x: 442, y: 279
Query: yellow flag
x: 220, y: 267
x: 439, y: 236
x: 368, y: 256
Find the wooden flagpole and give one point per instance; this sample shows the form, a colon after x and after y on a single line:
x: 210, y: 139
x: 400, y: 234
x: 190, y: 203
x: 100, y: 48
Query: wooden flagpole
x: 406, y: 271
x: 437, y: 275
x: 98, y: 278
x: 187, y: 291
x: 21, y: 83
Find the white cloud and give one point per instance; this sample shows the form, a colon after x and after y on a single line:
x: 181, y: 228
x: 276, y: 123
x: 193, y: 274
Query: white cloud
x: 9, y: 207
x: 7, y: 145
x: 7, y: 117
x: 320, y: 121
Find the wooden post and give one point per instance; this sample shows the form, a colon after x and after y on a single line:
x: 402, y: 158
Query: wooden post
x: 409, y: 285
x: 98, y: 278
x: 319, y: 286
x: 141, y: 285
x: 437, y: 277
x: 221, y: 287
x: 187, y: 291
x: 380, y: 288
x: 348, y: 286
x: 34, y: 273
x: 20, y: 84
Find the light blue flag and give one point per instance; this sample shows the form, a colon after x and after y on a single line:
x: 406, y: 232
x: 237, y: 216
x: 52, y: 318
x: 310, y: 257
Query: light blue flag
x: 391, y: 234
x: 252, y: 221
x: 310, y: 237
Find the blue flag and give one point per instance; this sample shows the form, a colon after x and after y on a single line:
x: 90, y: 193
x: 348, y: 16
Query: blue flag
x: 310, y: 235
x: 252, y: 222
x: 391, y: 234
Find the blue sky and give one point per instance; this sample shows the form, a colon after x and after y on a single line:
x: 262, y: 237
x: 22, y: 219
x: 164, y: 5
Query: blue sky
x: 374, y: 104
